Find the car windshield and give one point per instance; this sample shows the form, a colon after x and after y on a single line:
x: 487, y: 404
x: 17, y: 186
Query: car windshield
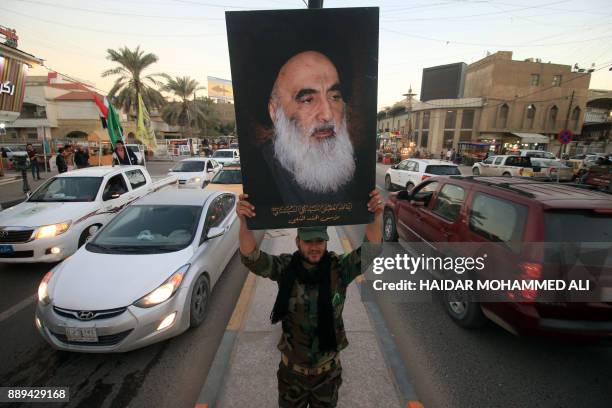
x: 518, y: 161
x: 223, y: 154
x: 442, y: 170
x: 148, y: 229
x: 577, y: 226
x: 189, y: 166
x: 228, y: 177
x: 63, y: 189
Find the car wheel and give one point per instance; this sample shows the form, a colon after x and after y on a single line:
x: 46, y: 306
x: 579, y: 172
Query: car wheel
x: 389, y: 229
x: 506, y: 174
x: 409, y: 187
x: 476, y: 171
x: 88, y: 233
x: 388, y: 185
x: 199, y: 301
x: 464, y: 311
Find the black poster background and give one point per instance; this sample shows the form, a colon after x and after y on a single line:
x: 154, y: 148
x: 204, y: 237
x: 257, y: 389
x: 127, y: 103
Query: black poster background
x: 260, y: 42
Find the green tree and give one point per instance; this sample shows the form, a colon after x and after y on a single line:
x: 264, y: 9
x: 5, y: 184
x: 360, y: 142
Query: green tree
x: 194, y: 115
x: 132, y: 81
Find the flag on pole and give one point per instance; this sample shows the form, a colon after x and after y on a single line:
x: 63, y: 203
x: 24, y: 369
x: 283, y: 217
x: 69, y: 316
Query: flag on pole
x: 110, y: 120
x: 145, y: 132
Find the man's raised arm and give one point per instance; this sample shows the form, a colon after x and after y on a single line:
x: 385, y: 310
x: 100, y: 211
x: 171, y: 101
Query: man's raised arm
x: 244, y: 209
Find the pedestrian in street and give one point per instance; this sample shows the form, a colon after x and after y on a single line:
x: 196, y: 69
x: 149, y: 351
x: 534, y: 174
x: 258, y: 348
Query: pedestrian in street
x: 316, y: 281
x: 123, y: 156
x: 417, y: 154
x: 69, y: 156
x: 442, y: 155
x: 81, y: 158
x: 3, y: 160
x: 33, y: 161
x: 60, y: 160
x: 449, y: 154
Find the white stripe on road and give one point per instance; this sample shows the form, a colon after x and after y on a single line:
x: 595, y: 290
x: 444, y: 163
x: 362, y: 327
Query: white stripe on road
x: 7, y: 314
x: 4, y: 182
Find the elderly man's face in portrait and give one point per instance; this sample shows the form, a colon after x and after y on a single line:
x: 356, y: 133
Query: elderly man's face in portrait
x: 309, y: 116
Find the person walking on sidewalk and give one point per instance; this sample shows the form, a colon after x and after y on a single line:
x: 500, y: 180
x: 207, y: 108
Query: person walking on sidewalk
x: 81, y: 158
x: 312, y: 284
x: 33, y: 161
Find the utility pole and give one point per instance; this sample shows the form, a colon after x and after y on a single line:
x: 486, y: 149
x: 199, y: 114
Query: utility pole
x: 569, y: 110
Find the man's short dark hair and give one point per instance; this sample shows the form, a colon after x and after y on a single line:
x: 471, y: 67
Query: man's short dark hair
x: 119, y: 141
x: 60, y: 150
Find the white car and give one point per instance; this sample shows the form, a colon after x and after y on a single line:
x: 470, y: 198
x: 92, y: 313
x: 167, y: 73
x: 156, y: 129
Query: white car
x: 145, y: 277
x: 195, y: 172
x: 66, y: 210
x: 504, y: 165
x: 227, y: 156
x: 138, y: 151
x: 408, y: 173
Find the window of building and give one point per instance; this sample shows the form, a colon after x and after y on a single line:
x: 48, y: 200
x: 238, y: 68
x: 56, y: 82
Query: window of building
x: 424, y: 138
x: 465, y: 135
x: 416, y: 120
x: 556, y: 81
x: 552, y: 117
x: 575, y: 117
x: 33, y: 136
x: 530, y: 112
x: 535, y: 80
x: 449, y: 136
x: 450, y: 120
x: 502, y: 117
x: 426, y: 120
x: 467, y: 120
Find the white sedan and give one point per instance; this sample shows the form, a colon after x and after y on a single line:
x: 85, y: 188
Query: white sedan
x: 145, y: 277
x: 195, y: 172
x: 409, y: 173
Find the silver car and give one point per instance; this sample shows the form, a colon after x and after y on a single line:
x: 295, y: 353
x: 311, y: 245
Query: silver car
x: 145, y: 277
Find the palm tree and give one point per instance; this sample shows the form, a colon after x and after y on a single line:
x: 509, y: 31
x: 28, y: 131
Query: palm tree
x: 131, y: 81
x: 194, y: 113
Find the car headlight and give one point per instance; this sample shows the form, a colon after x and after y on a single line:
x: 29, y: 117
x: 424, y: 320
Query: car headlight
x: 165, y: 290
x: 43, y: 289
x: 49, y: 231
x: 194, y: 180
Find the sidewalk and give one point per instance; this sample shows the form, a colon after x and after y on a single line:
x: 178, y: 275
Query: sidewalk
x: 250, y: 379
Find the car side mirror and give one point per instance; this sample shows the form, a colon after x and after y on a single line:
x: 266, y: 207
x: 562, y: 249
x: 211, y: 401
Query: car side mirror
x: 209, y: 170
x: 403, y: 195
x: 395, y: 166
x: 215, y: 232
x: 416, y: 203
x: 111, y: 195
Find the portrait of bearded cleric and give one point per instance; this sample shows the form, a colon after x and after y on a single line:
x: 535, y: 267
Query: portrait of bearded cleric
x: 305, y: 100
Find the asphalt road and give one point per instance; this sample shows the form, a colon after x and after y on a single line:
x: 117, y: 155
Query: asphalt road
x: 454, y: 367
x: 168, y: 374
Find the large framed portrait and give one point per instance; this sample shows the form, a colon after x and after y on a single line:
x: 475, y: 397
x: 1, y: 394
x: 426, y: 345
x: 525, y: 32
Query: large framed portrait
x: 305, y: 87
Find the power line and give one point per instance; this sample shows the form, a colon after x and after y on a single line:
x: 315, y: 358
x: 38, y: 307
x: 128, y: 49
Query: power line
x: 107, y: 32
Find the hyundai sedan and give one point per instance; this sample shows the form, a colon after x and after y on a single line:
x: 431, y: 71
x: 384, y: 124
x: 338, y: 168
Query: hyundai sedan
x: 145, y: 277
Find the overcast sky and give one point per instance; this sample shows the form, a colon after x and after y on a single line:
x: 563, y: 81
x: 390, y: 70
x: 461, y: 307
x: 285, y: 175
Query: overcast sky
x: 189, y: 36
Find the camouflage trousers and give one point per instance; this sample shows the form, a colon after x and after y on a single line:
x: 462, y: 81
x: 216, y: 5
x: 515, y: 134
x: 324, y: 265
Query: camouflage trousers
x: 296, y: 390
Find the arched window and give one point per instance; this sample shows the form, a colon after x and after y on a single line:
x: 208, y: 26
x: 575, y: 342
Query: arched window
x: 502, y: 117
x: 76, y: 134
x: 530, y: 112
x: 552, y: 117
x: 575, y: 118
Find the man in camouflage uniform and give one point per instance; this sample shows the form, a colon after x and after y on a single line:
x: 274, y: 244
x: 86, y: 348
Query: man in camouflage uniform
x: 312, y: 290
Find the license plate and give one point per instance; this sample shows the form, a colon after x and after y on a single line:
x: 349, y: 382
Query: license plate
x: 82, y: 334
x: 182, y: 181
x: 6, y: 249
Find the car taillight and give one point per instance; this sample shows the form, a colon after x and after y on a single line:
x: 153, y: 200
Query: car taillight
x: 530, y: 271
x: 424, y: 176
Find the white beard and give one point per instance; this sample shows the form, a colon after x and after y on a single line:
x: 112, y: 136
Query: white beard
x: 320, y: 166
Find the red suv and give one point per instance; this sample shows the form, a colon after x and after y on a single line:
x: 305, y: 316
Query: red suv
x: 517, y: 218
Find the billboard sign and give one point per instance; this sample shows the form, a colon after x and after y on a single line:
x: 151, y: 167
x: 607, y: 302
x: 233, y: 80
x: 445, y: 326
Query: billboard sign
x: 220, y: 89
x: 12, y: 84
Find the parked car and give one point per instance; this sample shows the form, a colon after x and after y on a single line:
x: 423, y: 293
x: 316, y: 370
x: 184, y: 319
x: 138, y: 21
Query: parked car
x: 509, y: 217
x: 411, y: 172
x: 195, y: 172
x: 599, y: 177
x: 229, y: 178
x: 67, y: 210
x: 504, y: 165
x: 15, y: 151
x: 145, y: 277
x: 227, y: 156
x: 552, y: 169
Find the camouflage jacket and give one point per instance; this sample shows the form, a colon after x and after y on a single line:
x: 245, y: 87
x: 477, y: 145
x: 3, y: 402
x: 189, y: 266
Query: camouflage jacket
x: 299, y: 340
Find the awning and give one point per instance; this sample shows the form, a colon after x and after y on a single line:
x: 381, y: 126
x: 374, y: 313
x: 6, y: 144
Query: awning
x: 532, y: 138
